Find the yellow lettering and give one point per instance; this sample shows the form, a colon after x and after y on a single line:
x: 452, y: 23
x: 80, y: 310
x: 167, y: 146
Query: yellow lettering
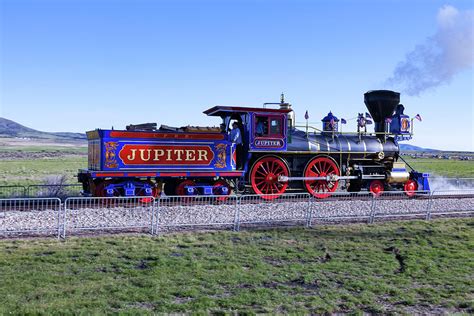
x: 132, y: 155
x: 158, y: 154
x: 142, y: 154
x: 168, y: 154
x: 178, y: 153
x: 202, y: 155
x: 190, y: 154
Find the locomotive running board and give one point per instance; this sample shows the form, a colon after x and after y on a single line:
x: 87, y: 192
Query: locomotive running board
x: 329, y: 178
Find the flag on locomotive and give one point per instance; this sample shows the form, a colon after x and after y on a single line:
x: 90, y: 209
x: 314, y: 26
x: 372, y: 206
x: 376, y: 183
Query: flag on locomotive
x: 257, y: 150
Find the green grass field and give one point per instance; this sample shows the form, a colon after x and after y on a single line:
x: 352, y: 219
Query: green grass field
x: 34, y: 171
x: 409, y: 267
x: 446, y: 168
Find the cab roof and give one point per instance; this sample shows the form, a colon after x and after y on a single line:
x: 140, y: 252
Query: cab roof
x: 220, y: 110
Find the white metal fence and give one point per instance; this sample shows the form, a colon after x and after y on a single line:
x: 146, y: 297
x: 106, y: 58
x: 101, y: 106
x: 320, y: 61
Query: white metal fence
x: 51, y: 216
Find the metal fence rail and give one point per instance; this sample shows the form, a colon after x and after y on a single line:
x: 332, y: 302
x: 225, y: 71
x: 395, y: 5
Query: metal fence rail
x: 12, y: 191
x: 28, y: 216
x: 110, y: 213
x: 292, y: 207
x: 145, y: 214
x: 179, y: 211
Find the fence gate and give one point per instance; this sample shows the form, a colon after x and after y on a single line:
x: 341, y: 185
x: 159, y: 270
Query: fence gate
x: 30, y: 216
x: 108, y: 213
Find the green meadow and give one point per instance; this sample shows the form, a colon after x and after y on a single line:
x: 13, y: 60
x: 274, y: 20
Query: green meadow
x: 35, y: 171
x: 398, y: 267
x: 444, y: 167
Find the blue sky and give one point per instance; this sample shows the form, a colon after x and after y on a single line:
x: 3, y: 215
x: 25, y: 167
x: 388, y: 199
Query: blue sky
x: 76, y: 65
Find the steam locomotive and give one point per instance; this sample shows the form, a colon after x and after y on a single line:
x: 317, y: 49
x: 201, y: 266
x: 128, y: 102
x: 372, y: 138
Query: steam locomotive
x: 276, y: 155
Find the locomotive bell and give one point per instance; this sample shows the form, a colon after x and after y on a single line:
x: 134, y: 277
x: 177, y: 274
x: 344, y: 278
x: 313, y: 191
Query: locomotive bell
x: 381, y: 104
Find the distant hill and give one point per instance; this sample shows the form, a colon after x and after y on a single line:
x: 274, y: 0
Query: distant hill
x: 12, y: 129
x: 407, y: 147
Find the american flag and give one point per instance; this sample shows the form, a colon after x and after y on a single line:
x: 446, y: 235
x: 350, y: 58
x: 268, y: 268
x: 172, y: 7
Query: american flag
x: 306, y: 115
x: 418, y: 117
x: 343, y: 121
x: 367, y: 115
x: 368, y: 122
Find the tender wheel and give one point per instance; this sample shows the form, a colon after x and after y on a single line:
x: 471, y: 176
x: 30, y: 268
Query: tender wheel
x: 321, y: 167
x: 264, y: 177
x: 181, y: 188
x: 100, y: 189
x: 376, y: 187
x: 155, y: 191
x: 217, y: 189
x: 410, y: 187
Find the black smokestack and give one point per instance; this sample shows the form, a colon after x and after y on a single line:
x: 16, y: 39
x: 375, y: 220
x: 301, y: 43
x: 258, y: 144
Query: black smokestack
x: 381, y: 104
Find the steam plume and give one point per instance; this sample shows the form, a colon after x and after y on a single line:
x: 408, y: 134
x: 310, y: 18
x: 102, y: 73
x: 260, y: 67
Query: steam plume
x: 441, y: 56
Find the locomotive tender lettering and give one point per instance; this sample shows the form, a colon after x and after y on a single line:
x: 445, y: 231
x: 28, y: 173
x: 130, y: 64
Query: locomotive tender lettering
x: 132, y: 155
x: 178, y: 154
x: 166, y: 155
x: 202, y: 155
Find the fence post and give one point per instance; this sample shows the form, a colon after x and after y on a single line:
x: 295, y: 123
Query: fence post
x: 430, y: 203
x: 157, y: 207
x: 309, y: 216
x: 373, y: 210
x: 60, y: 207
x: 152, y: 217
x: 237, y: 214
x: 66, y: 202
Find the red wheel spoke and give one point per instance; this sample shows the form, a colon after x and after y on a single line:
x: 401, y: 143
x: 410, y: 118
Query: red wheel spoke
x: 327, y: 187
x: 273, y: 167
x: 268, y: 167
x: 317, y: 170
x: 261, y: 172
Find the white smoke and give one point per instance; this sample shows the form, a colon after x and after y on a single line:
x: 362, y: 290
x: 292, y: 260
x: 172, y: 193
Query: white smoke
x: 436, y: 61
x: 441, y: 185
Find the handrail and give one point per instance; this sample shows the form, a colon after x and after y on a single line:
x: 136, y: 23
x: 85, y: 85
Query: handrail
x: 317, y: 130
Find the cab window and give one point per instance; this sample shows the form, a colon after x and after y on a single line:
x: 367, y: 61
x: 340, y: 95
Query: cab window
x: 275, y: 126
x: 266, y: 126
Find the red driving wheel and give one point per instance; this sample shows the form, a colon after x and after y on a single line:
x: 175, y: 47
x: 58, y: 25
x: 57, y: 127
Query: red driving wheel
x: 216, y: 190
x: 376, y: 187
x: 321, y: 167
x: 410, y: 187
x: 264, y: 177
x: 181, y: 188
